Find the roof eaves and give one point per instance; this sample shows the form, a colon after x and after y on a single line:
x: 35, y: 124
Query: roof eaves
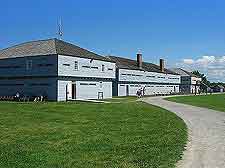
x: 146, y: 65
x: 90, y: 54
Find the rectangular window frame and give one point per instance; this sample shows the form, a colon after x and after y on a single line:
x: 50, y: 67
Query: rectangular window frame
x: 103, y: 68
x: 66, y: 64
x: 76, y: 67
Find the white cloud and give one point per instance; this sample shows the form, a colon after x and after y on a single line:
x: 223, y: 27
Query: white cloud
x: 205, y: 60
x: 211, y: 66
x: 188, y: 61
x: 216, y: 72
x: 222, y: 59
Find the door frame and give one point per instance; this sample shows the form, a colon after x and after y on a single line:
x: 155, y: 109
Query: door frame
x: 74, y: 91
x: 127, y: 90
x: 100, y: 95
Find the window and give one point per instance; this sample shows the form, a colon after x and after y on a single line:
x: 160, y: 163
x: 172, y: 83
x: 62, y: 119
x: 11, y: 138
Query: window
x: 85, y: 66
x: 83, y: 83
x: 100, y: 84
x: 90, y: 84
x: 161, y: 77
x: 110, y: 69
x: 45, y: 65
x: 29, y: 64
x: 76, y: 65
x: 94, y: 67
x: 103, y: 68
x: 150, y: 76
x: 173, y: 78
x: 66, y: 64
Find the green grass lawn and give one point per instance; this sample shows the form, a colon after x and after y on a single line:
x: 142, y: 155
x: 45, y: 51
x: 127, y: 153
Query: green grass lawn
x: 215, y: 101
x: 89, y: 135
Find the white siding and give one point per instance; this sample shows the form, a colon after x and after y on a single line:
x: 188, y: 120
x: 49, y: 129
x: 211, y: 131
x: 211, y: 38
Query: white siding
x: 121, y: 90
x: 86, y: 67
x: 92, y: 88
x: 84, y: 89
x: 69, y: 90
x: 195, y: 89
x: 133, y: 89
x: 161, y: 83
x: 142, y: 76
x: 195, y: 80
x: 62, y: 90
x: 150, y: 89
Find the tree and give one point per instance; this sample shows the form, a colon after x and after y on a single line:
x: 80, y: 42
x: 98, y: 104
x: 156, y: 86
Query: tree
x: 213, y: 84
x: 205, y: 84
x: 204, y: 78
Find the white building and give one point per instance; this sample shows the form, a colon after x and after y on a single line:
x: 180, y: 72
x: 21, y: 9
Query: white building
x: 133, y: 75
x: 55, y: 69
x: 190, y: 83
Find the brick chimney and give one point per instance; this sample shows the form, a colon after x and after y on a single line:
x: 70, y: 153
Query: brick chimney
x: 139, y: 60
x: 162, y: 65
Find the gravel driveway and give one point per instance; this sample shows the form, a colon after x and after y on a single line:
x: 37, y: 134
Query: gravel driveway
x: 206, y: 146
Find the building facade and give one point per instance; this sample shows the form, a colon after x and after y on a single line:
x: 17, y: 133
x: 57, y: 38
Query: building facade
x: 190, y: 83
x: 133, y: 75
x: 218, y: 88
x: 55, y: 69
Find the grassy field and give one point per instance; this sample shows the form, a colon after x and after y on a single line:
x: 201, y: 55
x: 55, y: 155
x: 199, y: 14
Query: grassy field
x: 89, y: 135
x: 215, y: 101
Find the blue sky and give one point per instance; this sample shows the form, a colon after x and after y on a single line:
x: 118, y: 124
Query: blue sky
x: 175, y: 30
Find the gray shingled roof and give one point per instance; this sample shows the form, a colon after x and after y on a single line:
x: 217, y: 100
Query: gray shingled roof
x: 125, y: 63
x: 182, y: 72
x: 49, y: 47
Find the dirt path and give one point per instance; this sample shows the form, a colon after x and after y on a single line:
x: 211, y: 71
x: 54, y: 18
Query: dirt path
x: 206, y: 146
